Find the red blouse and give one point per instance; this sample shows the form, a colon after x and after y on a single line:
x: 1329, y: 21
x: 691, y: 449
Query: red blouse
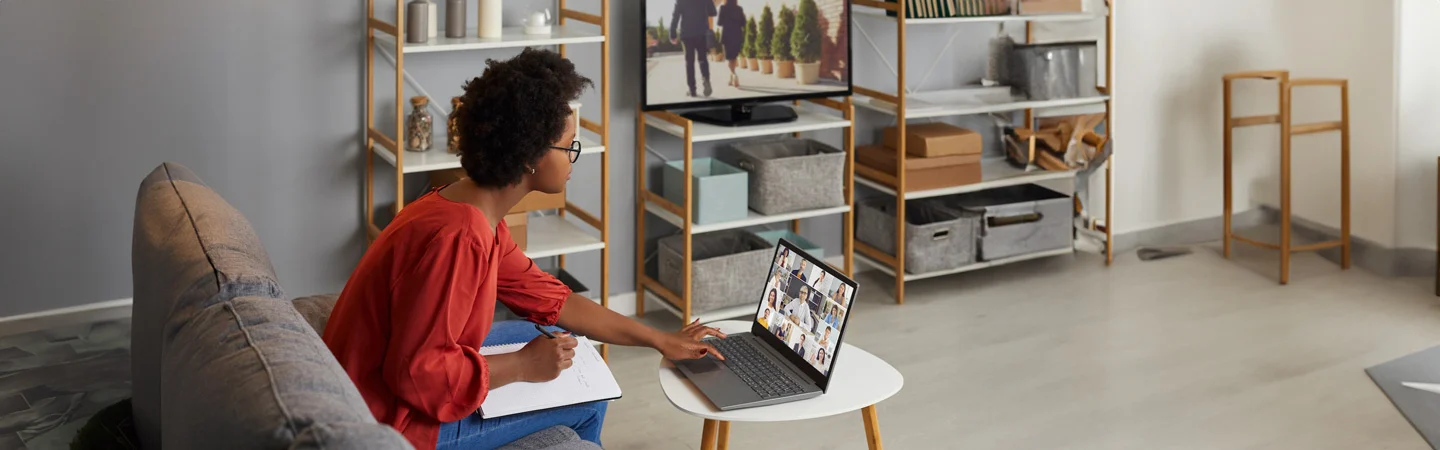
x: 411, y: 320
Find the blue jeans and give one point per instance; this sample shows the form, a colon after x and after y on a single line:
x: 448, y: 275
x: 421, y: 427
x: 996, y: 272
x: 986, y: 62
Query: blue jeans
x: 472, y: 432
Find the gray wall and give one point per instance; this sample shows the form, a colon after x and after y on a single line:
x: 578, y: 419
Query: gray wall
x: 263, y: 100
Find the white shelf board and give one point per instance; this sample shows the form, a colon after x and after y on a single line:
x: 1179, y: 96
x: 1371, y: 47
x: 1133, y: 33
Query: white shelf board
x: 995, y: 173
x: 809, y: 120
x: 1078, y: 17
x: 732, y: 312
x: 437, y: 158
x: 753, y: 219
x: 511, y: 37
x: 971, y: 101
x: 554, y: 236
x: 967, y: 268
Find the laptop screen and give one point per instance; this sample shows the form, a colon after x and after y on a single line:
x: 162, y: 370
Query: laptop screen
x: 805, y: 305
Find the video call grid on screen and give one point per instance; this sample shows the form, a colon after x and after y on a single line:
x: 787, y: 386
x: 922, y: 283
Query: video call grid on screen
x: 686, y: 39
x: 805, y: 306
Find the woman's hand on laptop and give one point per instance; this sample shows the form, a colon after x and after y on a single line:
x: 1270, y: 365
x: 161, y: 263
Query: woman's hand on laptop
x: 688, y: 343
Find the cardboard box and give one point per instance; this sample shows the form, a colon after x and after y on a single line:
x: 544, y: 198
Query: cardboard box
x: 535, y: 201
x: 517, y: 223
x: 1028, y: 7
x: 923, y: 173
x: 936, y: 139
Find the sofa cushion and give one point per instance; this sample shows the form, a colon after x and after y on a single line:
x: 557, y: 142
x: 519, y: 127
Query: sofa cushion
x: 250, y: 372
x: 190, y: 250
x: 316, y: 310
x: 554, y: 438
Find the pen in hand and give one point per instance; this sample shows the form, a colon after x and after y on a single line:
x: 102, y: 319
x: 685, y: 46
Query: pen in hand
x: 543, y: 331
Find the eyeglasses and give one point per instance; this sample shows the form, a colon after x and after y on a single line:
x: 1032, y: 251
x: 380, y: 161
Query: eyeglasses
x: 574, y: 150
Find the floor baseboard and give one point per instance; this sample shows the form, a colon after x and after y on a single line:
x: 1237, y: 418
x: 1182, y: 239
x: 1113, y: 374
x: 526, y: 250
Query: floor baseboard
x: 59, y: 317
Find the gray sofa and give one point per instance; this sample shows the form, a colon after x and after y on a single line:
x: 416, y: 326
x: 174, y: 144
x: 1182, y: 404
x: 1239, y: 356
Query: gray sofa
x: 220, y: 358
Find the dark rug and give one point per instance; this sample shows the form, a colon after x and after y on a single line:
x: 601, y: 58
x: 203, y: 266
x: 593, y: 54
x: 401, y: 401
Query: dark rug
x: 1421, y: 408
x: 52, y: 381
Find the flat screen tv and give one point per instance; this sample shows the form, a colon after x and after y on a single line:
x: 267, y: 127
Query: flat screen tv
x: 728, y: 57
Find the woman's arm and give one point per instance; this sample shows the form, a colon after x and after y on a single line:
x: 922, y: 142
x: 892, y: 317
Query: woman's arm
x: 586, y: 317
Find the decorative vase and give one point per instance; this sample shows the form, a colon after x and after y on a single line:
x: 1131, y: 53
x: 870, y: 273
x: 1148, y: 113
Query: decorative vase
x: 419, y: 126
x: 754, y: 64
x: 454, y: 18
x: 741, y: 62
x: 433, y: 21
x: 452, y: 133
x: 784, y: 69
x: 491, y: 25
x: 767, y: 67
x: 417, y: 22
x: 807, y: 73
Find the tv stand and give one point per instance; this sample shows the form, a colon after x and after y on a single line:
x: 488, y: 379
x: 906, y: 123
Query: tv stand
x: 742, y: 115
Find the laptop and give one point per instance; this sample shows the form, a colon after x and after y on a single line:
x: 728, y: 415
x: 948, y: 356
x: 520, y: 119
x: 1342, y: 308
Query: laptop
x: 789, y: 353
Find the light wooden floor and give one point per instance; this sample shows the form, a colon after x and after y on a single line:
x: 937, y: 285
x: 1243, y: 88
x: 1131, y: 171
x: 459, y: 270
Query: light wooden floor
x: 1192, y: 352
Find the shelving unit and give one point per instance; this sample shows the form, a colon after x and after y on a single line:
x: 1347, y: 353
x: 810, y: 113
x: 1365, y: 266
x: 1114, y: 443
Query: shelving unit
x: 816, y: 115
x: 573, y: 230
x: 906, y: 104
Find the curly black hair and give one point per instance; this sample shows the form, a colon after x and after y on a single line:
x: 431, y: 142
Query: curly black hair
x: 512, y: 114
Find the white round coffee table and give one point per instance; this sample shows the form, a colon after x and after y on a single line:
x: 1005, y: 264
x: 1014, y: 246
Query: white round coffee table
x: 860, y: 381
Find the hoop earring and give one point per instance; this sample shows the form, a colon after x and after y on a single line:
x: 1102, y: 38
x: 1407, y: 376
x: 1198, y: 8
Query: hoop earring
x: 532, y: 170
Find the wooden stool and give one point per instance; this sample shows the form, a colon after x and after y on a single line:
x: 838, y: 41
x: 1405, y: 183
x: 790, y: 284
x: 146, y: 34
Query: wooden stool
x: 1287, y: 132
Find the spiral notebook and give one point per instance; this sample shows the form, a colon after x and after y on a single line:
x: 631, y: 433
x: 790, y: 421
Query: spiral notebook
x: 587, y: 380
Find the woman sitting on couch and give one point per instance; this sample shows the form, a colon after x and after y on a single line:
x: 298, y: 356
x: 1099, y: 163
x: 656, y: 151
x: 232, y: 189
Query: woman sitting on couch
x: 409, y: 325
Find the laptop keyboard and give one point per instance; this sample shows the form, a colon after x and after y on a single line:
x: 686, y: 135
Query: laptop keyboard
x: 758, y: 371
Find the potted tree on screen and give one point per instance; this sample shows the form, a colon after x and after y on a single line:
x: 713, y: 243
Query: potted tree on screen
x: 752, y: 45
x: 805, y: 43
x: 744, y: 56
x: 766, y: 36
x: 780, y: 44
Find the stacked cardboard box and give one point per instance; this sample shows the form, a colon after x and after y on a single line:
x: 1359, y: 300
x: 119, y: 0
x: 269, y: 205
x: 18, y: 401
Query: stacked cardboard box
x: 937, y: 155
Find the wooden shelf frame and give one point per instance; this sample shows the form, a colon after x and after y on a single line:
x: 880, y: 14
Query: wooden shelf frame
x: 649, y: 202
x: 895, y: 265
x: 572, y: 28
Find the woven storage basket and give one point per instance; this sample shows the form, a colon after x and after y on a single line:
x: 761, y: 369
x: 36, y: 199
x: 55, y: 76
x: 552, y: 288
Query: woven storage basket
x: 727, y: 269
x: 936, y: 238
x: 1017, y: 220
x: 788, y: 175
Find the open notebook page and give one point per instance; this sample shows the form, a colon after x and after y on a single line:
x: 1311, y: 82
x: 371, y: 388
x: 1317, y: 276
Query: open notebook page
x: 587, y: 380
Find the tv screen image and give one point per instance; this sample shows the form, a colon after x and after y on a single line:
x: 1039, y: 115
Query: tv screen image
x: 752, y: 50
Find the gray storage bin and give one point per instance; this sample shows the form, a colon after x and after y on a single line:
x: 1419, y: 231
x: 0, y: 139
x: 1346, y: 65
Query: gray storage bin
x: 936, y: 238
x: 728, y: 268
x: 714, y: 185
x: 1050, y: 71
x: 788, y: 175
x: 1018, y: 220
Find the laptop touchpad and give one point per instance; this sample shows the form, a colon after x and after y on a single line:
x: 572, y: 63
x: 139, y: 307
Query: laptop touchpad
x: 702, y: 365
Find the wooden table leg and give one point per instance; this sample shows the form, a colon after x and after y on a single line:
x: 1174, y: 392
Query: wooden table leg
x: 707, y: 437
x: 724, y: 437
x: 872, y: 427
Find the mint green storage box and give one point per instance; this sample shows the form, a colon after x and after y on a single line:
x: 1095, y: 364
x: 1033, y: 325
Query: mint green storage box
x: 773, y: 237
x: 720, y: 190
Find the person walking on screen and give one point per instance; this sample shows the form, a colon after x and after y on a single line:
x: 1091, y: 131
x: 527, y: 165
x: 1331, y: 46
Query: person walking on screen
x: 732, y: 22
x: 694, y: 20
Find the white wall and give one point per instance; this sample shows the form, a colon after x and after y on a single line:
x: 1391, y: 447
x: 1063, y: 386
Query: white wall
x: 1170, y: 60
x: 1419, y: 131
